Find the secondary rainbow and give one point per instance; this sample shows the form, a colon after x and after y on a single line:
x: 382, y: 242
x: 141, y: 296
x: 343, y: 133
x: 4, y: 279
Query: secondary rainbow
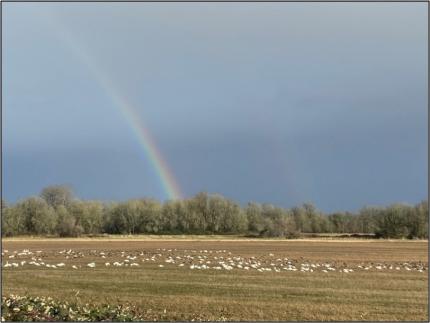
x: 144, y: 138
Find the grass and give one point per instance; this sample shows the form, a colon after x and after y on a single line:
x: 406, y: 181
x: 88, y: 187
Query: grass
x: 178, y: 293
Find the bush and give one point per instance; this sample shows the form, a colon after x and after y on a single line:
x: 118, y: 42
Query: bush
x: 25, y: 308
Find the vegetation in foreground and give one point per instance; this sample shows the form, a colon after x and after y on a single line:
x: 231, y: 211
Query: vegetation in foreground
x: 57, y: 212
x: 25, y: 308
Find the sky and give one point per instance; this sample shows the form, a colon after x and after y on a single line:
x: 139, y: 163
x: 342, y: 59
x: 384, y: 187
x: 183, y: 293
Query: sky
x: 280, y: 103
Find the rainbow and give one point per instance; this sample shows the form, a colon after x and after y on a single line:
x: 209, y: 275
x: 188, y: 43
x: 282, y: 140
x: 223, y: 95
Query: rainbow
x: 168, y: 181
x: 144, y: 138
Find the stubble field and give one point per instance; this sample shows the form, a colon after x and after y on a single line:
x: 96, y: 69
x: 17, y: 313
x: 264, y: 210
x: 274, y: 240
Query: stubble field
x: 219, y: 279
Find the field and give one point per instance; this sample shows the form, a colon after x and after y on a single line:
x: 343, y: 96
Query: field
x: 219, y: 279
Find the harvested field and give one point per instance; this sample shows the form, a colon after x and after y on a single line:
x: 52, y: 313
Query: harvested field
x: 215, y: 279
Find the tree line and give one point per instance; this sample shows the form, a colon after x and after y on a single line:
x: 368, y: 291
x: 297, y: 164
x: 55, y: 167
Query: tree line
x: 57, y: 212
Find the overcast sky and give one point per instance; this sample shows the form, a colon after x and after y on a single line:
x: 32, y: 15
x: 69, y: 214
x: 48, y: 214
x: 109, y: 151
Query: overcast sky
x: 270, y: 102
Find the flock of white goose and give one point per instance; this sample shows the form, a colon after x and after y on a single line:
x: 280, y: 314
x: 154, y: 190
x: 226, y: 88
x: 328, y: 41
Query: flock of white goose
x: 189, y: 259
